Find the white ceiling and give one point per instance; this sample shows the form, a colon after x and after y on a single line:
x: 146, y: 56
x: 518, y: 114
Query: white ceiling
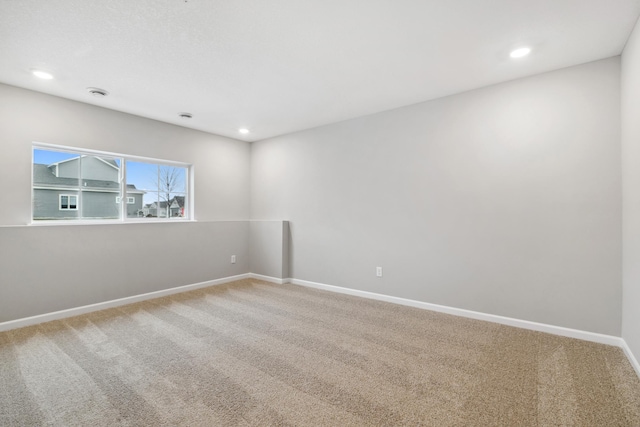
x: 279, y: 66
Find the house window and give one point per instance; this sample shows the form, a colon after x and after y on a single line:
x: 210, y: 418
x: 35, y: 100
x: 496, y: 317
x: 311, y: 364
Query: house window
x: 74, y: 184
x: 68, y: 202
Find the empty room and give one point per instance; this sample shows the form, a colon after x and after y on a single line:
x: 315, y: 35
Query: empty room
x: 320, y: 213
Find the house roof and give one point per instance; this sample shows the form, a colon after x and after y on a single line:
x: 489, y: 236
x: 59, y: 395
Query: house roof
x: 163, y: 204
x: 110, y: 162
x: 179, y: 200
x: 43, y: 177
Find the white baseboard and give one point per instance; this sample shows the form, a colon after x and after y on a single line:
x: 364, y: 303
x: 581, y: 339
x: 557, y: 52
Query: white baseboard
x: 269, y: 278
x: 525, y: 324
x: 631, y: 357
x: 56, y: 315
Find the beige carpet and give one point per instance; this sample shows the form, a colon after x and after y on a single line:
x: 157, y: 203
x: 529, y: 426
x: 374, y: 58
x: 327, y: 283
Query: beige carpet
x: 254, y: 353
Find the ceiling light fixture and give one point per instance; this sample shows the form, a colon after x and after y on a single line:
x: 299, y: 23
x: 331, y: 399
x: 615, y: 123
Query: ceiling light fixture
x: 185, y: 116
x: 42, y: 74
x: 98, y: 93
x: 520, y: 52
x: 243, y: 131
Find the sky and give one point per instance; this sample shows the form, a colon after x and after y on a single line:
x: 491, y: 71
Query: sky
x: 143, y: 175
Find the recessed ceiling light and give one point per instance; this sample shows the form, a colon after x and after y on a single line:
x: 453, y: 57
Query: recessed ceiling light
x: 185, y: 116
x: 97, y: 92
x: 520, y: 52
x: 243, y: 131
x: 42, y: 74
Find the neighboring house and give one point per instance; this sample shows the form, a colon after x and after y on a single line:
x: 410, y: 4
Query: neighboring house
x: 177, y: 206
x: 56, y: 190
x: 146, y: 210
x: 159, y: 209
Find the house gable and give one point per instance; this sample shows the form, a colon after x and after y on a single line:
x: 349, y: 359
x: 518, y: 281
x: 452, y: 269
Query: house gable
x: 93, y: 168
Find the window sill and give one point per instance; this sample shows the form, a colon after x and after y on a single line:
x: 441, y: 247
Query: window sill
x: 48, y: 223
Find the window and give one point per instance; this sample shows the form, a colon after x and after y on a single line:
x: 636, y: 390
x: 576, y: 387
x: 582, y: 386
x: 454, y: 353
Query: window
x: 130, y: 200
x: 68, y: 202
x: 164, y: 186
x: 75, y: 184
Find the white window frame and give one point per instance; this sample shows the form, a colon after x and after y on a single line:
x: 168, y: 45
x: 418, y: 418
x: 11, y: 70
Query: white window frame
x: 130, y: 200
x: 123, y: 219
x: 68, y: 208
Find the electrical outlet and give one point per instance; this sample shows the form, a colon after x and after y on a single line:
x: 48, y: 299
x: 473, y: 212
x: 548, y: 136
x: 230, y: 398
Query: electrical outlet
x: 233, y: 259
x: 379, y: 271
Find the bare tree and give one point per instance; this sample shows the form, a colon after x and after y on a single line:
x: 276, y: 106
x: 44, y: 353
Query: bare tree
x: 170, y: 181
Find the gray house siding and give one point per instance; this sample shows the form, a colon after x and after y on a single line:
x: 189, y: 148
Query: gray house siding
x: 97, y: 198
x: 92, y: 167
x: 92, y: 205
x: 96, y: 205
x: 134, y: 209
x: 68, y: 169
x: 46, y: 205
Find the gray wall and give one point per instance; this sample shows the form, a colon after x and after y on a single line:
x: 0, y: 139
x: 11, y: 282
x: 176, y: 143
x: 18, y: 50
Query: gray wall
x: 48, y: 268
x: 504, y: 200
x: 631, y: 192
x: 269, y: 243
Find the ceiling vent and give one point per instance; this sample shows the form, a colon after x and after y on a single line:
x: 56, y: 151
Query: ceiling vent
x: 185, y: 115
x: 98, y: 93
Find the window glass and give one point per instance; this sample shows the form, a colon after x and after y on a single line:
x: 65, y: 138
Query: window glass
x: 68, y: 202
x: 101, y: 178
x: 164, y: 189
x: 74, y: 185
x: 56, y: 178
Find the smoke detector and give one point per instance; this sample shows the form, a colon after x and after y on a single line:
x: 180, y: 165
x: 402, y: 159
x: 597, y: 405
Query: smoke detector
x: 98, y: 93
x: 185, y: 116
